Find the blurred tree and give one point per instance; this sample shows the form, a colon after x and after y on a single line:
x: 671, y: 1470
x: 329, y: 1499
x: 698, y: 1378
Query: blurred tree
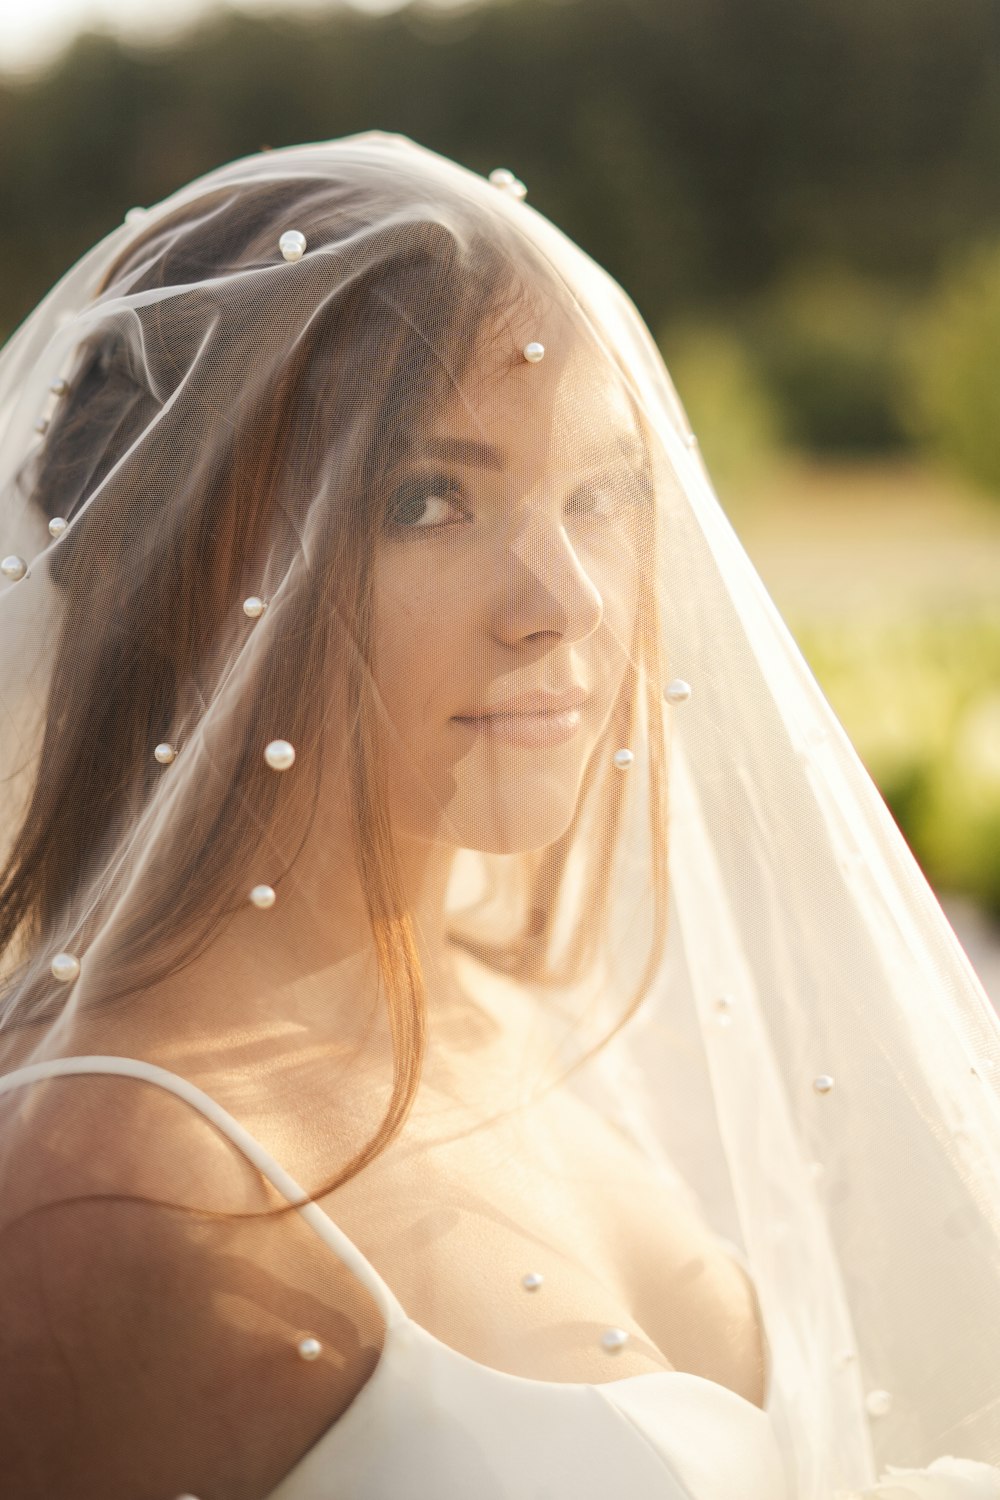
x: 828, y: 343
x: 919, y: 699
x: 950, y: 396
x: 728, y: 404
x: 701, y: 149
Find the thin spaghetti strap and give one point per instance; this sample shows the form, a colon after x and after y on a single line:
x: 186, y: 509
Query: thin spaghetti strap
x: 129, y: 1067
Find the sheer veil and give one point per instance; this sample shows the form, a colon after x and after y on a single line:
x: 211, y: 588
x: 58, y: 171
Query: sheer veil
x: 318, y: 481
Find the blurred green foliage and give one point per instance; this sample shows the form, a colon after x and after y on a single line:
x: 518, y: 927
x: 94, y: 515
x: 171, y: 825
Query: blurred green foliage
x: 795, y: 173
x: 815, y: 363
x: 827, y: 342
x: 738, y: 422
x: 949, y: 394
x: 920, y: 699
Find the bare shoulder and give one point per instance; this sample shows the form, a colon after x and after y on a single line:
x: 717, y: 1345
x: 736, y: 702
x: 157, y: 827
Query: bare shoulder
x: 153, y: 1304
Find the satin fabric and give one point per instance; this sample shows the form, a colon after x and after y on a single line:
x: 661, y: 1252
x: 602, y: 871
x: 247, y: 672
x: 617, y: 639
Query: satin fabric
x: 432, y: 1424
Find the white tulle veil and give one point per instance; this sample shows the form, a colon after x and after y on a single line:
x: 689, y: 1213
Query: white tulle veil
x: 806, y: 1049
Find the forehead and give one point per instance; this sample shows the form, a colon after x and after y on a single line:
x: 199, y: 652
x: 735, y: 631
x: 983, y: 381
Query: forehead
x: 573, y: 401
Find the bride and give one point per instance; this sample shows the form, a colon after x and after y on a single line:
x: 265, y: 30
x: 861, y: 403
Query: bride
x: 468, y: 1024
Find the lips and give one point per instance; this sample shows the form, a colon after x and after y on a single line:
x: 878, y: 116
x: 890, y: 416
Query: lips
x: 534, y: 704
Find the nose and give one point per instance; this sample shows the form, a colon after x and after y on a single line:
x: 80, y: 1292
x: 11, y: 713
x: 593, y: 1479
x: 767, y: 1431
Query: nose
x: 544, y: 588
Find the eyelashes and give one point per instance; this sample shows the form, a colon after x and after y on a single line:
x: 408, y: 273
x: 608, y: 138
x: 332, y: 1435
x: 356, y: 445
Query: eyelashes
x: 408, y: 502
x: 433, y: 501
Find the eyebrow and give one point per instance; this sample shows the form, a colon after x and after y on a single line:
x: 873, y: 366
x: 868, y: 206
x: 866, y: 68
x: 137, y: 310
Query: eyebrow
x: 486, y: 456
x: 467, y: 451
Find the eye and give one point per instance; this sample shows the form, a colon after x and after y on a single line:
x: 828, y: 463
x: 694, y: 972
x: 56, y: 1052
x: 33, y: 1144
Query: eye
x: 609, y: 495
x: 425, y: 502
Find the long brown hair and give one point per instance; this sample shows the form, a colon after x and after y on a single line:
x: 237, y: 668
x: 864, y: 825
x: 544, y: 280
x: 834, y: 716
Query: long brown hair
x: 141, y: 676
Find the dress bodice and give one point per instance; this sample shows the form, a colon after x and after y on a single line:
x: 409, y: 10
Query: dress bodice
x: 432, y: 1424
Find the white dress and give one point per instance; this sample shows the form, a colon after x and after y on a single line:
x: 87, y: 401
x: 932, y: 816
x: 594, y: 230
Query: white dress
x: 432, y: 1424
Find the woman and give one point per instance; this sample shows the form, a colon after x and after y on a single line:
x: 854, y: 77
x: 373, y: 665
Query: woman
x: 445, y: 1053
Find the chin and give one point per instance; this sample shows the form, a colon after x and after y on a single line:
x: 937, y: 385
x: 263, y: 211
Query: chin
x: 531, y: 817
x: 502, y: 807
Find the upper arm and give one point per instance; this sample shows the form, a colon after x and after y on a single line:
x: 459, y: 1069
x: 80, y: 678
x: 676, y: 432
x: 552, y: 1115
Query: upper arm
x: 148, y: 1351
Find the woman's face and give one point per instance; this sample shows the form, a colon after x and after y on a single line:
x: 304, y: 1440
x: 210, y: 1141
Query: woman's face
x: 505, y: 595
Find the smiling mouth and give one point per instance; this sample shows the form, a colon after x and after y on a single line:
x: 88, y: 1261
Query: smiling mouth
x: 530, y: 730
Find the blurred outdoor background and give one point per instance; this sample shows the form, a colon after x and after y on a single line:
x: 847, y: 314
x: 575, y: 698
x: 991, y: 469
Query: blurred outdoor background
x: 802, y: 198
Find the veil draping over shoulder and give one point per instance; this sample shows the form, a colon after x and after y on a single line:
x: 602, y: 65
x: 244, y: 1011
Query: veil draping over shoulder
x: 398, y: 745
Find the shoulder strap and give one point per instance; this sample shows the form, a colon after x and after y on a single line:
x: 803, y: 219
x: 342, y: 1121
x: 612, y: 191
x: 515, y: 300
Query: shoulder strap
x: 129, y: 1067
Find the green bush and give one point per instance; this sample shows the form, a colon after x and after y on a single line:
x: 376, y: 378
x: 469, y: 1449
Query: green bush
x: 728, y: 405
x: 921, y: 701
x: 949, y: 399
x: 827, y: 343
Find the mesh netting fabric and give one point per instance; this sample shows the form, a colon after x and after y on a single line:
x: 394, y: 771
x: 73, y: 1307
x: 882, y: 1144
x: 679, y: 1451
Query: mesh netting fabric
x: 402, y: 757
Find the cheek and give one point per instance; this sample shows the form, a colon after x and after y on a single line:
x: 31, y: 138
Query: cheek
x: 421, y: 616
x: 610, y: 652
x: 614, y: 572
x: 423, y: 623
